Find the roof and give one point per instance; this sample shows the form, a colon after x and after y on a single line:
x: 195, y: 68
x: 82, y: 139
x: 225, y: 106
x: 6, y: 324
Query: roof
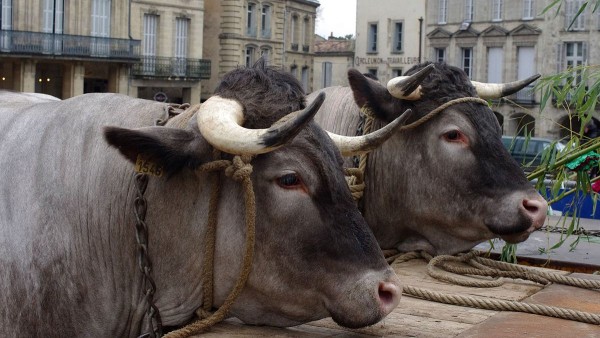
x: 333, y: 46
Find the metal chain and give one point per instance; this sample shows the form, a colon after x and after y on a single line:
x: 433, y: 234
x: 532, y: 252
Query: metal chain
x: 140, y: 206
x: 576, y: 232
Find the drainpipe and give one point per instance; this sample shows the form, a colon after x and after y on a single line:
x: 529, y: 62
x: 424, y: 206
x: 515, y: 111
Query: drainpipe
x: 420, y: 37
x: 130, y: 46
x: 284, y: 37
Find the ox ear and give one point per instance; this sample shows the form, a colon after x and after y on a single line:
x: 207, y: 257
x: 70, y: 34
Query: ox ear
x: 169, y: 148
x: 371, y: 93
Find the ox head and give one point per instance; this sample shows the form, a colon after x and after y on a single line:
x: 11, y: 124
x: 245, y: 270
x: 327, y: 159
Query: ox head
x: 453, y: 184
x: 314, y: 254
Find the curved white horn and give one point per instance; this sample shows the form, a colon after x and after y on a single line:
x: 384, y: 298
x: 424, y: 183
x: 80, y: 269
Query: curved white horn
x: 220, y: 122
x: 355, y: 145
x: 498, y: 90
x: 408, y: 87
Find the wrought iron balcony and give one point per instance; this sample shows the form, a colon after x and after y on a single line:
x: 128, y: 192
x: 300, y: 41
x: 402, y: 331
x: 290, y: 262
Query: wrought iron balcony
x: 36, y: 43
x: 294, y: 46
x: 305, y: 48
x: 166, y: 67
x: 525, y: 95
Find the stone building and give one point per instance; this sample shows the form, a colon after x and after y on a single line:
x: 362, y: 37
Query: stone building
x: 506, y: 40
x: 333, y: 58
x: 239, y: 32
x: 389, y: 36
x: 148, y: 49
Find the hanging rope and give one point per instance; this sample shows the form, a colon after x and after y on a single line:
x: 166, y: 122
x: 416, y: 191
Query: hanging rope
x: 487, y: 267
x: 238, y: 169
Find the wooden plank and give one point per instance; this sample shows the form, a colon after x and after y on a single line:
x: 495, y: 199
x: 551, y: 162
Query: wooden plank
x: 413, y: 317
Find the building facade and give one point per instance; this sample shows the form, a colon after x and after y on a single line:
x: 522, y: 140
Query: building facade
x: 506, y: 40
x: 389, y: 36
x: 171, y: 65
x: 333, y: 58
x: 64, y: 48
x: 239, y: 32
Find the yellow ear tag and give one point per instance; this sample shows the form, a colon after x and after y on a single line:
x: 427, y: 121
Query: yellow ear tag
x: 144, y: 166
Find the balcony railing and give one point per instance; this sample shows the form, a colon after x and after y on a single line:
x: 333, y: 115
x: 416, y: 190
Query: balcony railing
x: 36, y: 43
x: 525, y: 95
x: 305, y: 48
x: 294, y: 46
x: 165, y: 67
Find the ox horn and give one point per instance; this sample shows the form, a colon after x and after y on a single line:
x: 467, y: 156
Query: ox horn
x: 409, y: 87
x: 356, y: 145
x: 498, y: 90
x: 220, y: 122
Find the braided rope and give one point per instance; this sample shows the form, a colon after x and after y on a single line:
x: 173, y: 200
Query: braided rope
x: 240, y: 170
x: 485, y: 265
x: 502, y: 305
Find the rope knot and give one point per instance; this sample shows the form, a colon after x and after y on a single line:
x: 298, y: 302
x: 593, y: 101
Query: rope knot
x: 240, y: 168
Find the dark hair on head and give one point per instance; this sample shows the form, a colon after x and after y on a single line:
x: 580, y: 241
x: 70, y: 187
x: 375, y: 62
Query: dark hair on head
x: 266, y: 93
x: 447, y: 82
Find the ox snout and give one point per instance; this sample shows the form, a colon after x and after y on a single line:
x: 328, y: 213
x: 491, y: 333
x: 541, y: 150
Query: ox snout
x: 366, y: 301
x: 517, y: 216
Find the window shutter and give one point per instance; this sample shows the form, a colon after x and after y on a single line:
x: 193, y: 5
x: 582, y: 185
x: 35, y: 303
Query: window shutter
x: 560, y: 59
x: 584, y: 47
x: 568, y: 13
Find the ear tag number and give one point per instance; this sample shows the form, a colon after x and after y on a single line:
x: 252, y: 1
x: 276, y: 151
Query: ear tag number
x: 144, y: 166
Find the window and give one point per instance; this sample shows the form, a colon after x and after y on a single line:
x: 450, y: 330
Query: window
x: 101, y: 18
x: 439, y: 54
x: 294, y: 71
x: 397, y: 43
x: 265, y: 53
x: 250, y: 19
x: 373, y: 72
x: 293, y: 34
x: 571, y: 10
x: 396, y: 72
x: 5, y: 23
x: 372, y: 38
x: 495, y: 64
x: 6, y: 15
x: 327, y: 68
x: 528, y: 9
x: 265, y: 25
x: 181, y: 45
x: 149, y: 43
x: 442, y: 11
x: 100, y: 27
x: 53, y: 16
x: 526, y: 68
x: 467, y: 60
x: 575, y: 54
x: 306, y: 34
x: 497, y: 8
x: 469, y: 10
x: 249, y: 56
x: 304, y: 79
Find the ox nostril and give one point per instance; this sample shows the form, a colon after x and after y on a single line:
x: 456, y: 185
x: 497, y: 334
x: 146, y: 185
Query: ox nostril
x: 536, y: 209
x: 389, y: 296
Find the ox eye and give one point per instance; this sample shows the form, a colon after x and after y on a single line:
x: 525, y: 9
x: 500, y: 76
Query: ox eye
x: 290, y: 181
x: 455, y: 136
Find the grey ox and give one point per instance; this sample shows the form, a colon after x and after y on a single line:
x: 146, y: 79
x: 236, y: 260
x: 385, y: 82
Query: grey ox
x: 448, y: 184
x: 67, y: 238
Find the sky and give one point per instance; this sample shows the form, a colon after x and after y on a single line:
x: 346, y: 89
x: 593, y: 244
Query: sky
x: 337, y: 16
